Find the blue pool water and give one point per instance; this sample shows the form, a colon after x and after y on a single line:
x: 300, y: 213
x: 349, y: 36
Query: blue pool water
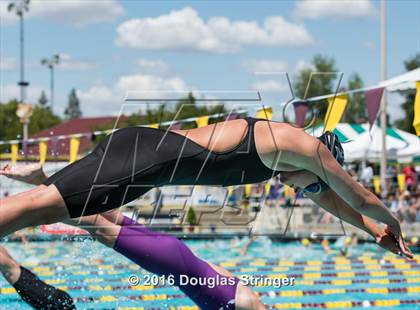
x: 97, y: 277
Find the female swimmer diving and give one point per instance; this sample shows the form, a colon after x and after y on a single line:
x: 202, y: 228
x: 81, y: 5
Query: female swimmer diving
x: 131, y: 161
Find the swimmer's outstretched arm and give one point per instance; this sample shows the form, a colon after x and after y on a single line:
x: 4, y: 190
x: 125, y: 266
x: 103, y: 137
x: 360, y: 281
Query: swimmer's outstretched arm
x: 311, y: 155
x: 334, y: 204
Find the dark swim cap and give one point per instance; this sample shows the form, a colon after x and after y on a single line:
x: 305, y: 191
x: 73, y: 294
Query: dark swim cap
x: 331, y: 141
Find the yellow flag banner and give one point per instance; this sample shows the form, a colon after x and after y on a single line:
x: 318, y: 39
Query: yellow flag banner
x: 15, y: 152
x: 247, y: 190
x: 74, y: 148
x: 42, y: 152
x: 265, y: 113
x: 267, y: 188
x: 416, y: 122
x: 230, y: 190
x: 336, y: 107
x: 377, y: 184
x: 156, y: 125
x: 401, y: 181
x: 202, y: 121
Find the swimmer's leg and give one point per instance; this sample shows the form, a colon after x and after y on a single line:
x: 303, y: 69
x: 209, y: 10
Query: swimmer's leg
x: 163, y: 254
x: 31, y: 289
x: 42, y: 205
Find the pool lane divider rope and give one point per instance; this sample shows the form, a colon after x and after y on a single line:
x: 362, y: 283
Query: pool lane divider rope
x: 337, y: 282
x: 292, y: 305
x: 108, y: 287
x: 392, y: 303
x: 272, y: 294
x: 49, y: 270
x: 309, y: 275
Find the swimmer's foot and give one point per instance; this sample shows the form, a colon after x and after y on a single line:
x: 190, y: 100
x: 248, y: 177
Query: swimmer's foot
x: 9, y: 267
x: 39, y: 294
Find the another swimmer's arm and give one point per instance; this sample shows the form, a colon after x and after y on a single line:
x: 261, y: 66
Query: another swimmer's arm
x: 31, y: 174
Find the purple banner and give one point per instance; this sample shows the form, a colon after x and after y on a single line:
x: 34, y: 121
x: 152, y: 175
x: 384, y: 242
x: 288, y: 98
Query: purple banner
x: 301, y: 108
x: 54, y: 146
x: 373, y: 102
x: 176, y: 126
x: 231, y: 116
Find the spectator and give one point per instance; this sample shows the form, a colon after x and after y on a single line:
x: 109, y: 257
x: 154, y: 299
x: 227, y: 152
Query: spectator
x: 410, y: 176
x: 274, y: 192
x: 392, y: 202
x: 367, y: 175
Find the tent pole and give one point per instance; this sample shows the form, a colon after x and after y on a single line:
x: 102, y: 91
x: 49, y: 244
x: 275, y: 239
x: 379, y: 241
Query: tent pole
x: 383, y: 103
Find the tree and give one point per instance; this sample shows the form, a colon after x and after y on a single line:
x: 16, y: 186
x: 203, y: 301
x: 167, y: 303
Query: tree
x: 191, y: 216
x: 184, y: 108
x: 11, y: 127
x: 356, y: 107
x: 42, y: 118
x: 73, y: 106
x: 406, y: 123
x: 317, y: 81
x: 43, y: 100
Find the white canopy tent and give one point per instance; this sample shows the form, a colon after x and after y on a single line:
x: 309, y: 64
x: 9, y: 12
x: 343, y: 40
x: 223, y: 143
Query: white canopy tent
x: 361, y: 145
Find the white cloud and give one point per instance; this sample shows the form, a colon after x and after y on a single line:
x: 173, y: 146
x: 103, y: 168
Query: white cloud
x: 12, y: 91
x: 268, y: 86
x: 316, y: 9
x: 302, y: 64
x: 152, y: 66
x: 264, y: 65
x: 8, y: 63
x: 185, y: 30
x: 99, y: 100
x: 74, y: 13
x: 67, y: 62
x: 274, y: 66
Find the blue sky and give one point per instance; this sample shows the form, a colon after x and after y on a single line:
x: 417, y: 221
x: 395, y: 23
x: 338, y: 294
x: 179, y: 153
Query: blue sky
x: 109, y: 47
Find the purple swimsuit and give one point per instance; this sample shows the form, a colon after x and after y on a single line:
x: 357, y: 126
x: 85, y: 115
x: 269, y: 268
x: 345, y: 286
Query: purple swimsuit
x: 163, y: 254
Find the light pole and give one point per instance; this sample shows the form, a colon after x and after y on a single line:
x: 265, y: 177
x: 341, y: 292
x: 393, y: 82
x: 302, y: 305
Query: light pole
x: 50, y: 63
x: 24, y: 112
x: 20, y: 7
x: 383, y: 103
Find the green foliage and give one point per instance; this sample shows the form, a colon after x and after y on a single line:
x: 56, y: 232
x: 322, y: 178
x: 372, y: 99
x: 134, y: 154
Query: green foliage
x: 406, y: 123
x: 356, y: 107
x: 73, y: 107
x: 11, y: 128
x: 184, y: 108
x: 191, y: 216
x: 42, y: 118
x: 317, y: 81
x: 43, y: 100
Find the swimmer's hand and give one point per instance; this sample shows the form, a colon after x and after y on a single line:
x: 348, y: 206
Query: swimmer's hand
x: 31, y: 174
x: 399, y: 240
x: 388, y: 241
